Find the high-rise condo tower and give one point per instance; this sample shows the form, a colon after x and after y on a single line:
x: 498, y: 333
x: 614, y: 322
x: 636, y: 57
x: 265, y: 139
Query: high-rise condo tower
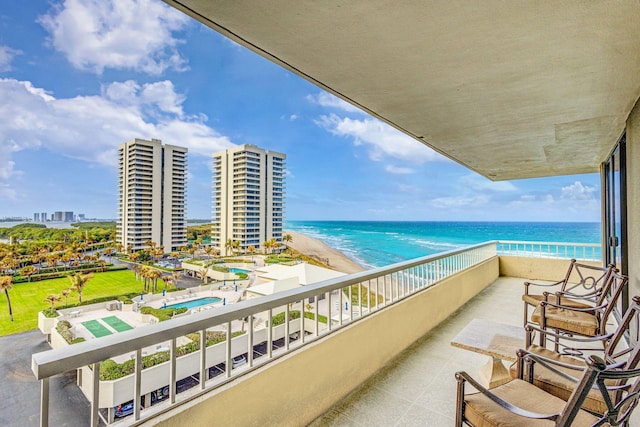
x: 248, y: 198
x: 152, y: 187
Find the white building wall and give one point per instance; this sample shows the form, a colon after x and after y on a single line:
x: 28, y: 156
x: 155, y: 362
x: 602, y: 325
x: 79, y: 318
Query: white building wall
x: 242, y: 197
x: 148, y: 175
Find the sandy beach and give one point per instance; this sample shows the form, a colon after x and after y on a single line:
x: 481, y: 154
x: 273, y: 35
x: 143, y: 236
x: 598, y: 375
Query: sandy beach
x: 316, y: 248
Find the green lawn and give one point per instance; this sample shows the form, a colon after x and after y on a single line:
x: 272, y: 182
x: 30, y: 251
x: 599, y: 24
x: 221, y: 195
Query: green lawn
x: 27, y: 299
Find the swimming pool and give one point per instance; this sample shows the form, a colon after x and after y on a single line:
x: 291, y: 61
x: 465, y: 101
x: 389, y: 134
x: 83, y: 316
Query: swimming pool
x: 238, y: 270
x: 195, y: 303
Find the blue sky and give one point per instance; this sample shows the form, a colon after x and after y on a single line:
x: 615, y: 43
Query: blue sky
x: 80, y: 77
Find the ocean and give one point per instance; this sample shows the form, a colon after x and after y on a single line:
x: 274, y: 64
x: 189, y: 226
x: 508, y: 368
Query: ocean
x: 380, y: 243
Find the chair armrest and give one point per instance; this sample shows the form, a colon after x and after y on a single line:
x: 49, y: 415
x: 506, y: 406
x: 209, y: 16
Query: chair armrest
x: 464, y: 377
x: 531, y: 327
x: 584, y: 310
x: 542, y: 285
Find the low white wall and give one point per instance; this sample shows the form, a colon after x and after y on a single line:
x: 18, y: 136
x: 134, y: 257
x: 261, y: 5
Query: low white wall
x: 550, y: 269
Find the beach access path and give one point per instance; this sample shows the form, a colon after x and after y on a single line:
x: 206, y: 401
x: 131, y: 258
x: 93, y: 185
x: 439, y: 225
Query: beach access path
x: 316, y: 248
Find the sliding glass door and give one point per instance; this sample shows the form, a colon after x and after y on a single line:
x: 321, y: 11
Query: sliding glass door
x: 614, y: 219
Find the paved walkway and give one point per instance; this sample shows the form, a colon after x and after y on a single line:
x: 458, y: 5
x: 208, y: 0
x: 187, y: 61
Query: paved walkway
x: 20, y: 391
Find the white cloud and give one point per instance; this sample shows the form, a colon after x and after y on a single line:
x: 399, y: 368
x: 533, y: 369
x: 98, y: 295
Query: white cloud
x: 381, y: 139
x: 153, y: 98
x: 326, y: 99
x: 578, y: 191
x: 293, y: 117
x: 479, y: 183
x: 6, y: 56
x: 398, y: 170
x: 91, y: 127
x: 99, y: 34
x: 460, y: 201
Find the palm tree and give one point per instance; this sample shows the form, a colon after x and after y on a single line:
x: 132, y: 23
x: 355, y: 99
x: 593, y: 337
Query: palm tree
x: 175, y: 276
x: 287, y: 238
x: 134, y: 256
x: 78, y: 282
x: 5, y: 285
x: 65, y: 293
x: 203, y: 274
x: 144, y: 274
x: 154, y: 275
x: 229, y: 245
x: 52, y: 299
x: 28, y: 271
x: 209, y: 250
x: 274, y: 244
x: 267, y: 246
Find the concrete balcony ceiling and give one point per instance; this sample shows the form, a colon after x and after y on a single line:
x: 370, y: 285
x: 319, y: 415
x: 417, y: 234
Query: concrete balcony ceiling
x: 509, y: 89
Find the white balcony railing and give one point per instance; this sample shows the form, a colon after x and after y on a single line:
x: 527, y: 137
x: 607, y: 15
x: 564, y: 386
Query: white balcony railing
x: 327, y: 307
x: 582, y: 251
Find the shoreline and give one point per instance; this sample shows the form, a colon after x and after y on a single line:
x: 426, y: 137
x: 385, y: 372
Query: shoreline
x: 316, y: 248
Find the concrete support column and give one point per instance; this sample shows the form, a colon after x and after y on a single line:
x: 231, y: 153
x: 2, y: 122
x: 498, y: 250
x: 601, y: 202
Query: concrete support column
x: 633, y: 198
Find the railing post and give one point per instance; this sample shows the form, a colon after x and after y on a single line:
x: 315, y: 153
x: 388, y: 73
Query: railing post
x: 286, y: 327
x: 270, y: 335
x: 44, y: 402
x: 95, y: 394
x: 172, y: 370
x: 250, y: 341
x: 203, y: 358
x: 136, y: 385
x: 228, y: 362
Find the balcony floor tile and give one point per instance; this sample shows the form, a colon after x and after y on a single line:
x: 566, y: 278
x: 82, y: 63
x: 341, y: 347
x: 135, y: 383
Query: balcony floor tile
x: 418, y: 388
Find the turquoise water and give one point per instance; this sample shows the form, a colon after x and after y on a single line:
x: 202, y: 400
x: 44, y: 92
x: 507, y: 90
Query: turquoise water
x: 238, y: 270
x: 195, y: 303
x: 380, y: 243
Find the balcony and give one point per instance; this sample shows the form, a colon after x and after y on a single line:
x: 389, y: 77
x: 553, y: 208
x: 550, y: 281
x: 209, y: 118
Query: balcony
x: 391, y: 351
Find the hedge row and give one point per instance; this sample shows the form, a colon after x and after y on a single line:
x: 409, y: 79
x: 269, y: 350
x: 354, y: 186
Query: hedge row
x: 162, y: 313
x: 111, y: 370
x: 58, y: 274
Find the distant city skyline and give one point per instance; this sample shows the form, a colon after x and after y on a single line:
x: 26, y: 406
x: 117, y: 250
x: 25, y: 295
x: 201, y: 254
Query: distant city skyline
x: 85, y: 76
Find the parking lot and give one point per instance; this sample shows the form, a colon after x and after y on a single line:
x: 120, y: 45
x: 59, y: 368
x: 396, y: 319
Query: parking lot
x: 20, y: 391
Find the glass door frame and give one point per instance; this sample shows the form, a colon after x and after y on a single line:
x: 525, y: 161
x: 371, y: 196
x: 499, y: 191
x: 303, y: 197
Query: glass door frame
x: 614, y: 212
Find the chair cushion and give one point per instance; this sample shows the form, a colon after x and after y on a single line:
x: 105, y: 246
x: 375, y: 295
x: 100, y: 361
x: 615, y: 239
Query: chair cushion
x: 535, y: 300
x: 568, y: 320
x: 481, y: 411
x: 561, y: 387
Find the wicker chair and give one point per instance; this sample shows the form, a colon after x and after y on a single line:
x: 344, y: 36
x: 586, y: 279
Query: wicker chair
x: 581, y: 287
x: 519, y: 403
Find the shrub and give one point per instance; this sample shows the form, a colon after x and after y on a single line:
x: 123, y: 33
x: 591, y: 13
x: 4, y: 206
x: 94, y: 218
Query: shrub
x: 278, y: 319
x: 64, y: 329
x: 162, y: 314
x: 50, y: 313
